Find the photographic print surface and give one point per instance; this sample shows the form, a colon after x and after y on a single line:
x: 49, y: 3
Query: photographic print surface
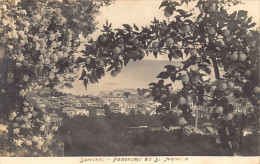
x: 129, y: 78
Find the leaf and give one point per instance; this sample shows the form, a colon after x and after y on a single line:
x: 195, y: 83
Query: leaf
x: 176, y: 3
x: 85, y: 83
x: 179, y: 53
x: 170, y: 9
x: 147, y: 52
x: 80, y: 60
x: 242, y: 13
x: 188, y: 63
x: 233, y: 15
x: 188, y: 21
x: 161, y: 43
x: 136, y: 28
x: 164, y: 75
x: 168, y: 85
x: 170, y: 56
x: 119, y: 30
x: 207, y: 61
x: 91, y: 40
x: 164, y: 3
x: 94, y: 77
x: 185, y: 1
x: 110, y: 68
x: 187, y: 51
x: 140, y: 57
x: 251, y: 25
x: 153, y: 84
x: 155, y: 53
x: 170, y: 68
x: 199, y: 16
x: 68, y: 85
x: 106, y: 29
x: 135, y: 57
x: 188, y: 15
x: 127, y: 27
x: 160, y: 82
x: 83, y: 74
x: 83, y: 51
x: 100, y: 72
x: 88, y: 67
x: 173, y: 77
x: 155, y: 20
x: 178, y: 18
x: 249, y: 19
x: 182, y: 12
x: 126, y: 61
x: 164, y: 23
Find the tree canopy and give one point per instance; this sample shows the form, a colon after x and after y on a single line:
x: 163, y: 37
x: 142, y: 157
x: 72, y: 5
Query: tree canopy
x: 39, y: 40
x: 212, y: 42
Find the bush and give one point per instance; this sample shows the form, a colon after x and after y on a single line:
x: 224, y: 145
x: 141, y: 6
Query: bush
x: 104, y: 136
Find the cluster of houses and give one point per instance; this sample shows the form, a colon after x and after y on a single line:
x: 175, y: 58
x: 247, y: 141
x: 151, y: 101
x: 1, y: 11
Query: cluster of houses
x: 124, y: 101
x: 119, y: 102
x: 116, y: 101
x: 56, y: 105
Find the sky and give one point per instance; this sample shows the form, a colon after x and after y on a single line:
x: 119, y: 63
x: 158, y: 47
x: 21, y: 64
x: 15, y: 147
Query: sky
x: 139, y: 74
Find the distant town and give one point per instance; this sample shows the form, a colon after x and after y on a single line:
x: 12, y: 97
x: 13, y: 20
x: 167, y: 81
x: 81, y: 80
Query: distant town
x: 119, y: 101
x: 134, y: 109
x: 124, y: 101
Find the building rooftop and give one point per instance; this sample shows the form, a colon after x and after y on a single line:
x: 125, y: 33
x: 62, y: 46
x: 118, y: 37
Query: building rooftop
x: 53, y: 114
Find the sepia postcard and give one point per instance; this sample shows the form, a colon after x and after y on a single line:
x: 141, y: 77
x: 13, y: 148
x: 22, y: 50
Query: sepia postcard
x: 129, y: 81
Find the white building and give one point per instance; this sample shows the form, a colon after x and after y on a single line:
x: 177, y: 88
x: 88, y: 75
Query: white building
x: 114, y: 98
x: 82, y: 112
x: 78, y: 104
x: 100, y: 112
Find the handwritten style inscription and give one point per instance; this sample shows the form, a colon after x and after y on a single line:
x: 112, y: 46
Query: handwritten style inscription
x: 131, y: 159
x: 96, y: 160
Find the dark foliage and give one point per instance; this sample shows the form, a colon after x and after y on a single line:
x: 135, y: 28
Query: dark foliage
x: 111, y: 136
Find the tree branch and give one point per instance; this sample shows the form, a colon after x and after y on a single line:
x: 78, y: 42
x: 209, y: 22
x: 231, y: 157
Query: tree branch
x: 215, y: 65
